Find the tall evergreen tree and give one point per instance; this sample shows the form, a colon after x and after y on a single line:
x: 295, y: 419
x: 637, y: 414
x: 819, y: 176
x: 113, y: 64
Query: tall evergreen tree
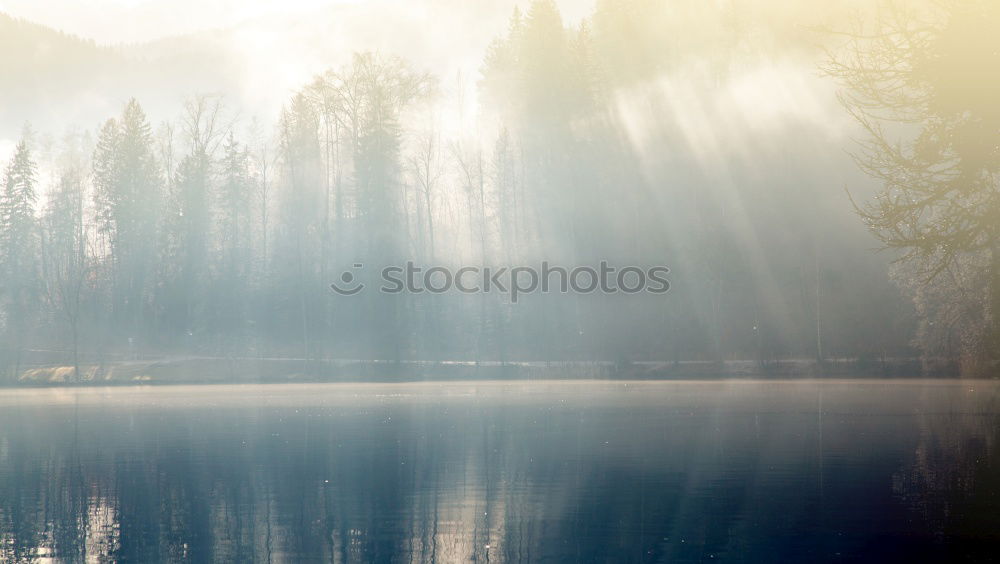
x: 128, y: 201
x: 234, y: 234
x: 19, y: 289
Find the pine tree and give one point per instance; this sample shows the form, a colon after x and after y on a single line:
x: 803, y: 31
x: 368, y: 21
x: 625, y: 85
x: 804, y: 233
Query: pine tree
x: 234, y: 199
x: 127, y: 200
x: 18, y: 249
x: 17, y: 220
x: 233, y: 234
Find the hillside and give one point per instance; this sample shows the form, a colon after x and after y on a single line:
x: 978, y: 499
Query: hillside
x: 54, y: 79
x: 42, y: 70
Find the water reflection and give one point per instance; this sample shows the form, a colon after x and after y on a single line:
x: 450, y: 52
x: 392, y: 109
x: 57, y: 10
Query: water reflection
x: 578, y: 472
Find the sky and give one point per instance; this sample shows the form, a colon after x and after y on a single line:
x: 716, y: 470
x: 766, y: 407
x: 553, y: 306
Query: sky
x: 272, y: 47
x: 130, y: 21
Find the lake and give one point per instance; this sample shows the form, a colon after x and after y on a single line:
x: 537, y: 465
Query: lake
x: 578, y: 471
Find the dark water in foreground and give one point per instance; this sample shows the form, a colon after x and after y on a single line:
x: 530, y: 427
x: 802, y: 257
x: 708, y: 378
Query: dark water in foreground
x: 503, y: 472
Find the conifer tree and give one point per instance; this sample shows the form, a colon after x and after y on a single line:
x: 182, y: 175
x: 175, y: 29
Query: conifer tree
x: 19, y: 289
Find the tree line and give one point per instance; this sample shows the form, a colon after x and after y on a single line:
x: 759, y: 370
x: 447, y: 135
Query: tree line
x: 217, y: 236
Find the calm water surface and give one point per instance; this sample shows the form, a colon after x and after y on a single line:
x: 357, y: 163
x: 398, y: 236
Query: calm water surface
x: 503, y: 472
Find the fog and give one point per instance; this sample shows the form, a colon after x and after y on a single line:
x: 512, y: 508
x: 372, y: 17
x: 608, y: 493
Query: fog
x: 255, y: 53
x: 497, y: 280
x: 276, y: 146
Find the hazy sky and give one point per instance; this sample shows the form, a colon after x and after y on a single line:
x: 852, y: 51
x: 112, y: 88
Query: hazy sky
x: 272, y: 47
x: 115, y: 21
x: 269, y: 47
x: 140, y: 20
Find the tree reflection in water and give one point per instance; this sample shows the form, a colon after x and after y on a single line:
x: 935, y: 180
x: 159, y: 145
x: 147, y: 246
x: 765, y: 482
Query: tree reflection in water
x: 501, y: 472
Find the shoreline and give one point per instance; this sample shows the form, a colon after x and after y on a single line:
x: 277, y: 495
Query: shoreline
x: 214, y: 370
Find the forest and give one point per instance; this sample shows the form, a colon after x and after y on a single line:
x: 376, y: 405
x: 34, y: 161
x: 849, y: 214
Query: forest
x: 215, y: 234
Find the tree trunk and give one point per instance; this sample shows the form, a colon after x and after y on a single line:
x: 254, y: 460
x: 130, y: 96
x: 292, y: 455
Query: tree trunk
x: 76, y: 352
x: 992, y: 353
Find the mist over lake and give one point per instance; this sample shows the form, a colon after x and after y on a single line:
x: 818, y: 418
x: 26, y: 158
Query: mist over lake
x: 499, y: 281
x: 514, y: 472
